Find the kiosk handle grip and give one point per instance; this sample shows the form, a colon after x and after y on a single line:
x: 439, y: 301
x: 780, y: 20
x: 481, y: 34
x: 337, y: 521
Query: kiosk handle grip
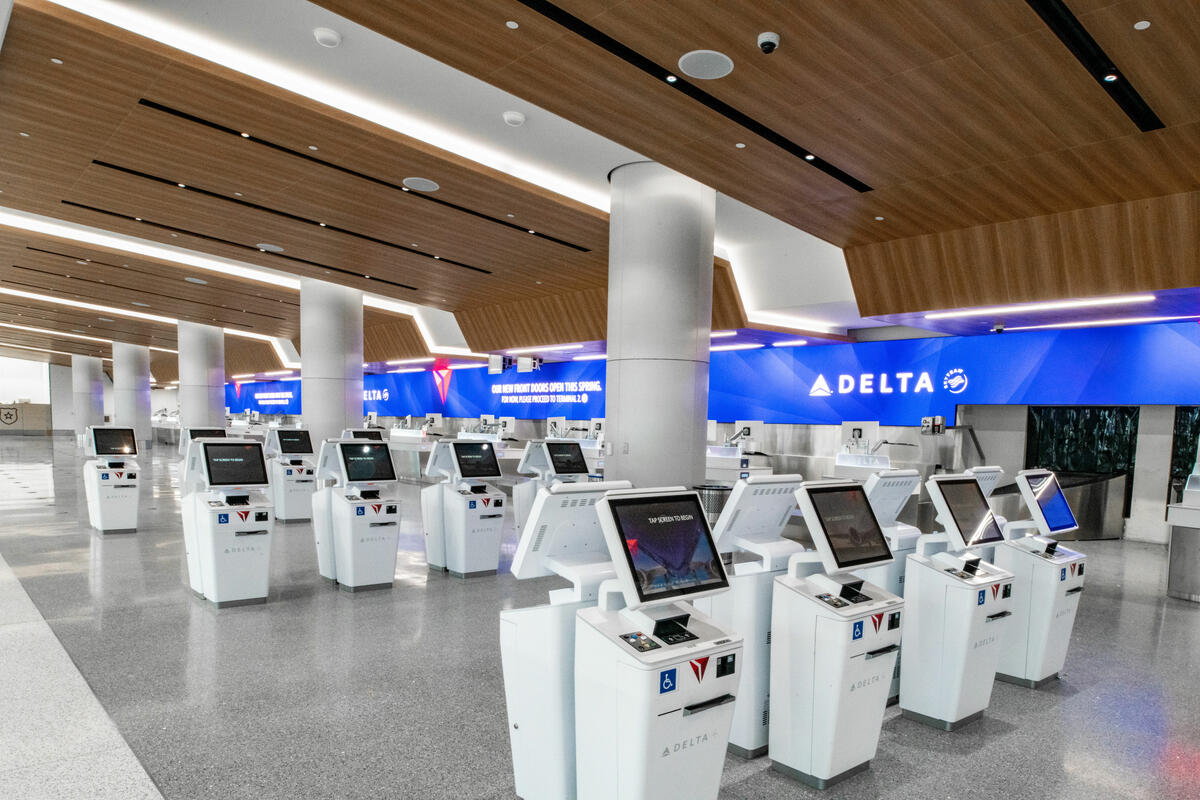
x: 696, y: 708
x: 1076, y: 590
x: 883, y: 651
x: 1000, y: 615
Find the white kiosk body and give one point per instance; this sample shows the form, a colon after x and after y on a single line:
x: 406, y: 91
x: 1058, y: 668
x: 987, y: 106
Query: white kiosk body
x: 227, y: 520
x: 463, y: 515
x: 959, y: 611
x: 293, y: 477
x: 836, y: 642
x: 749, y: 536
x: 537, y: 645
x: 655, y: 680
x: 547, y: 462
x: 888, y: 492
x: 1049, y: 581
x: 357, y: 530
x: 110, y: 478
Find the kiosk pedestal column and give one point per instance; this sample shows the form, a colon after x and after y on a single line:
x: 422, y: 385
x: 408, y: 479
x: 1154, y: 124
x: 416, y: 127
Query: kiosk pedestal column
x: 87, y: 386
x: 201, y: 376
x: 331, y: 351
x: 131, y: 389
x: 660, y: 279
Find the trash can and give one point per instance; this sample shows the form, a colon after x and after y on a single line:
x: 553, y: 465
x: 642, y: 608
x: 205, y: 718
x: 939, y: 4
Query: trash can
x: 713, y: 496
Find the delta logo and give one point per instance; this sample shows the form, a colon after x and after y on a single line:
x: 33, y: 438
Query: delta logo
x: 877, y: 620
x: 376, y: 506
x: 995, y: 590
x: 441, y: 379
x: 243, y: 515
x: 874, y: 383
x: 1073, y: 564
x: 699, y: 667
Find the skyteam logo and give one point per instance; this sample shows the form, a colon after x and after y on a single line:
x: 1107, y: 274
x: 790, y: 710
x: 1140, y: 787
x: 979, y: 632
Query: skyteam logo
x: 876, y: 383
x: 955, y: 381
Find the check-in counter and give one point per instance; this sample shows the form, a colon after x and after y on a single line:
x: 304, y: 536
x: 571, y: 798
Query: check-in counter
x: 1183, y: 563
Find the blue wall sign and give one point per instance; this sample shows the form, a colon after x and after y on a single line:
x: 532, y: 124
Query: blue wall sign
x: 895, y: 383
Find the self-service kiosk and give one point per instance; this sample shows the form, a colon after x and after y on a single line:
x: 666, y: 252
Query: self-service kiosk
x: 293, y: 475
x: 836, y: 639
x: 537, y: 645
x: 655, y: 680
x: 356, y: 517
x: 749, y: 537
x: 959, y: 610
x: 548, y: 462
x: 373, y: 434
x: 227, y: 520
x: 463, y: 515
x: 888, y: 492
x: 988, y: 479
x: 1048, y: 580
x: 110, y: 478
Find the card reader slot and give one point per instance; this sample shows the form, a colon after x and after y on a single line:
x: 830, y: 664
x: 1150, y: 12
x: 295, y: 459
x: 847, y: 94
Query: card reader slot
x: 999, y: 615
x: 1076, y: 590
x: 883, y: 651
x: 490, y: 516
x: 696, y: 708
x: 251, y: 533
x: 381, y: 524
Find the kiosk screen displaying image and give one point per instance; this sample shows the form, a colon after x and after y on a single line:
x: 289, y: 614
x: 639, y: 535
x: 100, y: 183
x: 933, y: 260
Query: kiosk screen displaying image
x: 668, y: 545
x: 567, y: 458
x: 1054, y: 506
x: 235, y: 464
x: 970, y: 510
x: 294, y: 442
x: 367, y: 462
x: 373, y: 435
x: 476, y: 460
x: 114, y: 441
x: 850, y: 526
x: 206, y: 433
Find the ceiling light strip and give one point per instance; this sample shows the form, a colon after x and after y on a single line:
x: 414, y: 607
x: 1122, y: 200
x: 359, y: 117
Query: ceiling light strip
x: 286, y: 215
x: 63, y: 334
x: 1055, y: 305
x: 45, y: 350
x: 353, y: 172
x: 1097, y: 323
x: 1087, y: 51
x: 636, y: 59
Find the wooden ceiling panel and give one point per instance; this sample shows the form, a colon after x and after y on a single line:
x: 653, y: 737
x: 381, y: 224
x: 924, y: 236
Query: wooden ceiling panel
x: 35, y: 314
x: 164, y: 367
x: 244, y: 356
x: 390, y: 337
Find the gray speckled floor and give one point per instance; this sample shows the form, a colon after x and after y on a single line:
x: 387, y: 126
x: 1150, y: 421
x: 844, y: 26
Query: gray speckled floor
x: 399, y: 693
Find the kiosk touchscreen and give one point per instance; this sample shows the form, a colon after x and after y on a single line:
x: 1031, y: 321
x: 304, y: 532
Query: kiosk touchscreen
x: 188, y: 434
x: 537, y: 645
x: 836, y: 639
x: 463, y: 514
x: 959, y: 609
x: 293, y: 474
x: 110, y: 478
x: 227, y: 520
x: 750, y: 537
x: 356, y: 516
x: 656, y: 670
x: 547, y: 462
x: 374, y: 434
x: 1048, y: 581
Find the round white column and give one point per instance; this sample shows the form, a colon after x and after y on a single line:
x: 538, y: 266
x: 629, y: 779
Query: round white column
x: 201, y: 376
x: 331, y: 354
x: 660, y: 277
x: 87, y: 387
x: 131, y: 389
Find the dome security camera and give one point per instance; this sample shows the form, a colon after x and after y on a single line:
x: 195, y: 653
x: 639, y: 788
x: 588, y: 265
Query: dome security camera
x: 768, y: 42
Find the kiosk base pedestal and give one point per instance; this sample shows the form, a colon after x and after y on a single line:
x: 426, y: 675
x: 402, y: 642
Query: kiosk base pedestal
x: 1026, y: 682
x: 252, y: 601
x: 815, y: 782
x: 478, y: 574
x: 742, y: 752
x: 364, y: 588
x: 116, y: 530
x: 941, y: 724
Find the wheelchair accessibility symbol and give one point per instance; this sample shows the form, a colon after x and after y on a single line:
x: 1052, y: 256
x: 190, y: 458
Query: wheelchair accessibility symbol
x: 666, y: 681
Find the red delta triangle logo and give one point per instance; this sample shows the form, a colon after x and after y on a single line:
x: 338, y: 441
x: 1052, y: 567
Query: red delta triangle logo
x: 119, y: 474
x: 1072, y: 565
x: 995, y: 590
x: 441, y: 378
x: 487, y: 501
x: 245, y: 515
x: 237, y: 390
x: 877, y: 620
x: 699, y: 666
x: 376, y: 506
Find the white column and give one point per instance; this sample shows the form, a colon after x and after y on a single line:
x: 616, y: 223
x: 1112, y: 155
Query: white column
x: 131, y: 389
x: 660, y: 276
x: 1151, y: 475
x: 87, y: 386
x: 331, y: 354
x: 201, y: 376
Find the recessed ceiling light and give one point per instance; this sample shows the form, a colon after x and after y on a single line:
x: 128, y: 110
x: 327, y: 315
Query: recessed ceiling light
x: 1110, y: 77
x: 1141, y: 25
x: 707, y: 65
x: 513, y: 119
x: 197, y: 281
x: 237, y: 194
x: 327, y: 37
x: 512, y: 25
x: 104, y: 319
x: 267, y: 247
x: 138, y: 219
x: 437, y: 258
x: 23, y: 133
x: 722, y: 334
x: 84, y: 263
x: 59, y: 60
x: 322, y: 224
x: 174, y: 235
x: 740, y: 145
x: 533, y: 231
x: 789, y: 343
x: 414, y: 244
x: 313, y: 147
x: 421, y: 184
x: 181, y: 185
x: 671, y: 79
x: 879, y: 219
x: 140, y: 305
x: 510, y: 216
x: 720, y: 348
x: 809, y: 157
x: 245, y: 135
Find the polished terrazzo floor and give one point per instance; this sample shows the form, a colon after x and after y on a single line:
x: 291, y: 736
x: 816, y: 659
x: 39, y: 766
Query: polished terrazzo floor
x: 320, y: 694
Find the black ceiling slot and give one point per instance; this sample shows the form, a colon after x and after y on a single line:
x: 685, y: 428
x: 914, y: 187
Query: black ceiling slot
x: 636, y: 59
x: 1087, y: 51
x: 346, y: 170
x: 286, y: 215
x: 206, y: 237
